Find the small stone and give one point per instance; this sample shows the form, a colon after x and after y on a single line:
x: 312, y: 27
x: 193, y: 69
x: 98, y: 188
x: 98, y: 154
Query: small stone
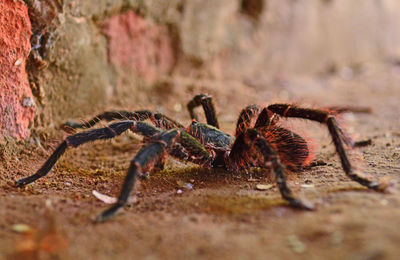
x: 48, y: 203
x: 18, y: 62
x: 21, y: 228
x: 28, y: 102
x: 336, y: 238
x: 179, y: 191
x: 178, y: 107
x: 384, y: 202
x: 295, y: 244
x: 184, y: 185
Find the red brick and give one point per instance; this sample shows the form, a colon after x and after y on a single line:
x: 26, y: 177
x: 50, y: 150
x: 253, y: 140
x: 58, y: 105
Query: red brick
x: 16, y: 100
x: 139, y: 46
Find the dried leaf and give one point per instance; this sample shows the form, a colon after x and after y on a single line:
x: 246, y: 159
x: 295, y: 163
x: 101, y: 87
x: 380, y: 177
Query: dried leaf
x: 264, y: 186
x: 110, y: 200
x: 104, y: 198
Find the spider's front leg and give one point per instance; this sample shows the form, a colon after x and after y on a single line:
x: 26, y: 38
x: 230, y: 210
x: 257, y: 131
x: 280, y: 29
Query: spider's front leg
x: 337, y: 134
x: 245, y: 118
x: 208, y: 106
x: 142, y: 162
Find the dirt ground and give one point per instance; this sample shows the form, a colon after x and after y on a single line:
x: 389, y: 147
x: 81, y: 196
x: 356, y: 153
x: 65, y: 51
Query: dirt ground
x: 222, y: 216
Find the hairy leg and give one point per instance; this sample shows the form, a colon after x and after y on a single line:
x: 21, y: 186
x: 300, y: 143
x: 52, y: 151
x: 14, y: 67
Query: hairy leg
x: 245, y: 117
x: 142, y: 162
x: 206, y: 102
x: 337, y: 135
x: 252, y: 146
x: 78, y: 139
x: 349, y: 109
x: 175, y: 142
x: 158, y: 119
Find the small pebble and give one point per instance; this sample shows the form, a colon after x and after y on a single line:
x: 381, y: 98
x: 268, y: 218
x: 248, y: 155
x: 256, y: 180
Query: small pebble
x: 295, y: 244
x: 384, y: 202
x: 18, y: 62
x: 28, y: 102
x: 185, y: 185
x: 179, y: 191
x: 336, y: 238
x: 21, y: 228
x: 177, y: 107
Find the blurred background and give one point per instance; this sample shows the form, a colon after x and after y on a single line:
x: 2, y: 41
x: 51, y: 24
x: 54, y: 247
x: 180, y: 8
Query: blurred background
x: 86, y: 56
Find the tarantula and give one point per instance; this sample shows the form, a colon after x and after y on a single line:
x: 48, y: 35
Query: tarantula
x: 262, y: 144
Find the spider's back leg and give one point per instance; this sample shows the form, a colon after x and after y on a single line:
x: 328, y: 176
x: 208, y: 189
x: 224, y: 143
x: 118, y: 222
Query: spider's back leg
x: 158, y: 119
x: 78, y: 139
x: 337, y: 134
x: 252, y: 146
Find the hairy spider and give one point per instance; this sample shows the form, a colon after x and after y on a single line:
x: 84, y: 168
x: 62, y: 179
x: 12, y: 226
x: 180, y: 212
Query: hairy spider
x: 261, y: 144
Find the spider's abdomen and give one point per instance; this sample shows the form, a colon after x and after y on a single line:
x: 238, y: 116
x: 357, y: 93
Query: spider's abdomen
x: 293, y: 150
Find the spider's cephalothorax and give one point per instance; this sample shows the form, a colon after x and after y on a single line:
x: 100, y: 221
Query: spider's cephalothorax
x: 258, y: 142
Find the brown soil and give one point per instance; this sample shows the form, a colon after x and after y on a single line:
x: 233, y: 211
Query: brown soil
x: 223, y: 216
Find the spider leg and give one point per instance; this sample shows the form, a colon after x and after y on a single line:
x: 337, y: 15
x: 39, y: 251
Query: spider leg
x: 245, y: 117
x: 142, y: 162
x: 337, y: 134
x: 266, y: 118
x: 149, y: 155
x: 158, y: 119
x: 252, y: 138
x: 349, y: 109
x: 206, y: 102
x: 78, y: 139
x: 280, y: 175
x: 187, y: 149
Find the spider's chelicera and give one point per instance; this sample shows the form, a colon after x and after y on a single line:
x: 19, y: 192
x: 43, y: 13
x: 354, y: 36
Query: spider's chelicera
x: 258, y: 142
